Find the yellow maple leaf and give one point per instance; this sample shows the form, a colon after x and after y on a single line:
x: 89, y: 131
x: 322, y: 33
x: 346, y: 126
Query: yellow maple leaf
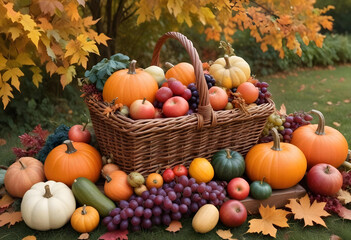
x: 344, y: 196
x: 101, y: 39
x: 13, y: 15
x: 5, y: 92
x: 88, y: 21
x: 51, y: 67
x: 24, y: 59
x: 270, y: 216
x: 13, y: 74
x: 175, y: 6
x: 2, y: 62
x: 72, y: 11
x: 302, y: 209
x: 15, y: 32
x: 37, y: 77
x: 67, y: 74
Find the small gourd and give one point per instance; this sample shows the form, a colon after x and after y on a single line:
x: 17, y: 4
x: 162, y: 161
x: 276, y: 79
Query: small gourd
x: 135, y: 179
x: 205, y: 219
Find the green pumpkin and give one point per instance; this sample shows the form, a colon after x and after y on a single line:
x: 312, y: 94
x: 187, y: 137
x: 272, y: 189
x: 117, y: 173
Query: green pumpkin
x: 2, y: 176
x: 228, y: 164
x: 260, y: 190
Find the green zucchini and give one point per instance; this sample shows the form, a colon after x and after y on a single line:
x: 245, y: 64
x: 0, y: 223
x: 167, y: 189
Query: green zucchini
x: 86, y: 192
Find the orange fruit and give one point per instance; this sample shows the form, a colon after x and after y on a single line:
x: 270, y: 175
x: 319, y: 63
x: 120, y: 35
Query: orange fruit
x: 248, y: 91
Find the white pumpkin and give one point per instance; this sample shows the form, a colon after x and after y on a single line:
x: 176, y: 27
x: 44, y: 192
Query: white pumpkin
x: 156, y: 72
x: 47, y: 205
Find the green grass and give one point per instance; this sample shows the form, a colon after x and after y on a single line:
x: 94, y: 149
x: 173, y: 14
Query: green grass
x: 321, y: 86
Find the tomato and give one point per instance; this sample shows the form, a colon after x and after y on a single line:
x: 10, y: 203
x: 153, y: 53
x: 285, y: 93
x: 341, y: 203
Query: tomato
x: 180, y: 170
x: 168, y: 175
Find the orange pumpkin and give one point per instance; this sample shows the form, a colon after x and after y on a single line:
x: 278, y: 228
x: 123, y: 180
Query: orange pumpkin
x: 320, y: 143
x: 201, y: 169
x: 130, y: 85
x: 183, y: 72
x: 22, y: 175
x: 154, y: 180
x: 71, y: 160
x: 282, y: 165
x: 85, y: 219
x: 116, y: 186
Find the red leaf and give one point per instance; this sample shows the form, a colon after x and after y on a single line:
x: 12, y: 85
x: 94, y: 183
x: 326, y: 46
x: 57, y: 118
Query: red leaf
x: 118, y: 234
x: 344, y: 212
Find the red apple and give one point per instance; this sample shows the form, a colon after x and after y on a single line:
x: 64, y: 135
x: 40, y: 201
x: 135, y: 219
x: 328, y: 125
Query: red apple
x: 324, y: 179
x: 168, y: 175
x: 163, y: 94
x: 232, y: 213
x: 79, y: 133
x: 218, y: 98
x: 141, y: 109
x: 175, y: 107
x: 238, y: 188
x: 180, y: 170
x: 176, y: 86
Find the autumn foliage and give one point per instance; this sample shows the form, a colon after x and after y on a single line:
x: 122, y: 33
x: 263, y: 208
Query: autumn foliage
x: 48, y: 33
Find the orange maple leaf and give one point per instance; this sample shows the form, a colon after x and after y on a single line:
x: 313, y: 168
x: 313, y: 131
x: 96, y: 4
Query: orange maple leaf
x: 6, y: 201
x: 225, y: 234
x: 50, y: 6
x: 175, y: 226
x: 10, y: 218
x: 270, y: 216
x: 302, y: 209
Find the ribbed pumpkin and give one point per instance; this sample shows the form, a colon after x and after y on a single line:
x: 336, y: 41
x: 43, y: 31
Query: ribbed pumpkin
x: 201, y: 169
x: 320, y: 143
x: 85, y: 219
x: 282, y: 166
x: 22, y: 175
x: 183, y: 72
x: 230, y: 71
x: 228, y: 164
x: 128, y: 85
x: 116, y: 186
x: 71, y: 160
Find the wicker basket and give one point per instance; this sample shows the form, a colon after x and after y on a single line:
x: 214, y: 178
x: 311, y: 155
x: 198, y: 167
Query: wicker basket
x: 148, y: 145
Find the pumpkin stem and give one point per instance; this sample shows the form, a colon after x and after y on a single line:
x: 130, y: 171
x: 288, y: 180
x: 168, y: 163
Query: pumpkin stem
x: 227, y: 63
x: 47, y: 193
x: 169, y: 65
x: 228, y: 153
x: 84, y: 211
x: 22, y: 165
x: 70, y: 147
x: 107, y: 177
x: 321, y: 123
x: 276, y: 140
x: 132, y: 67
x: 262, y: 180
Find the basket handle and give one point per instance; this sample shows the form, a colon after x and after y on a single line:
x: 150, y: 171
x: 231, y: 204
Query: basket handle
x: 204, y: 108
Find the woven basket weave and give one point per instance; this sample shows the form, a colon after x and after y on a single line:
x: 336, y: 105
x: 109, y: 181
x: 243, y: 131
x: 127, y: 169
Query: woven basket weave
x: 148, y: 145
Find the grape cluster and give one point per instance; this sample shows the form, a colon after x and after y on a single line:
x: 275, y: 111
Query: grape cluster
x: 285, y: 125
x: 209, y: 80
x: 346, y: 182
x: 91, y: 90
x: 332, y: 203
x: 160, y: 206
x: 264, y: 94
x: 194, y: 99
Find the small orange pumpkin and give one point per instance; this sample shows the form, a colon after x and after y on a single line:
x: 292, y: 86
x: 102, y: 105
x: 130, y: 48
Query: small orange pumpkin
x: 183, y: 72
x: 130, y: 85
x: 72, y: 160
x: 116, y: 186
x: 282, y: 165
x: 85, y: 219
x: 154, y: 180
x: 22, y: 175
x: 109, y: 168
x: 201, y: 169
x: 320, y: 143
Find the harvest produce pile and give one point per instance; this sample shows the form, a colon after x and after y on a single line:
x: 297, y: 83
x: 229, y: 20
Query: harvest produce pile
x: 67, y: 169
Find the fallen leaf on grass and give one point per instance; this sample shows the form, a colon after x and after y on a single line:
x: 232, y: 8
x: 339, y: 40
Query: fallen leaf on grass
x: 336, y: 124
x: 342, y: 79
x: 344, y: 212
x: 175, y: 226
x: 225, y: 234
x: 315, y: 103
x: 344, y: 196
x: 6, y: 201
x: 335, y: 237
x: 330, y: 103
x: 114, y: 235
x: 2, y: 141
x: 270, y: 216
x: 323, y: 80
x: 347, y: 101
x: 328, y: 90
x: 84, y: 236
x: 302, y: 87
x: 10, y: 218
x: 31, y: 237
x: 302, y: 209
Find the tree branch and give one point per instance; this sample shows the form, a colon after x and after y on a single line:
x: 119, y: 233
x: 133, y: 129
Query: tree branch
x: 269, y: 11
